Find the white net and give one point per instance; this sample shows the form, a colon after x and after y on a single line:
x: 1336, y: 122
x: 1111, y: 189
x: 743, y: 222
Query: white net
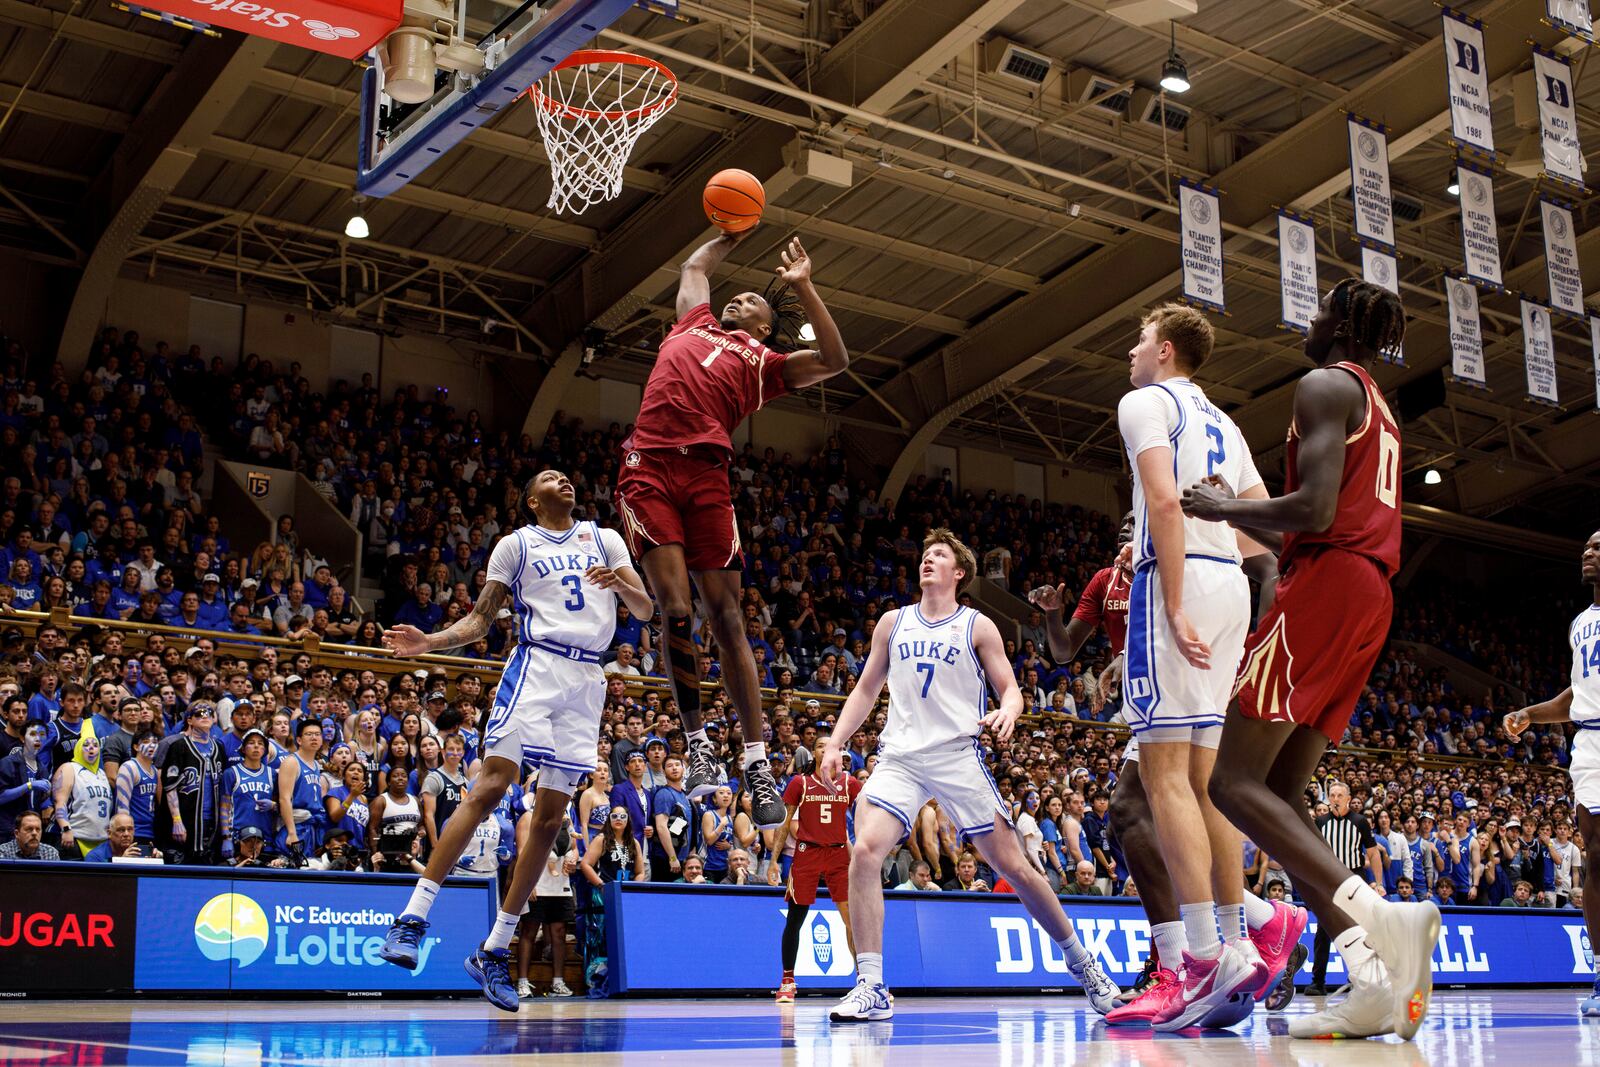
x: 591, y: 111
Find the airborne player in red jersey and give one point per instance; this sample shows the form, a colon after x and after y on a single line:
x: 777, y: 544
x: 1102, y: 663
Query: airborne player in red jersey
x: 817, y: 812
x: 1304, y: 667
x: 711, y: 373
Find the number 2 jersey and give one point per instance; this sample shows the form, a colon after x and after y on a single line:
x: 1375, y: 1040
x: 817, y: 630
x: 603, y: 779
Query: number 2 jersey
x: 707, y: 380
x: 1367, y: 520
x: 544, y: 571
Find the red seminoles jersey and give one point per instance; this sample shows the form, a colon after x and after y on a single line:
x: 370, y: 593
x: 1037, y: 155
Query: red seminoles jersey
x: 820, y: 807
x: 1105, y: 603
x: 705, y: 382
x: 1367, y: 521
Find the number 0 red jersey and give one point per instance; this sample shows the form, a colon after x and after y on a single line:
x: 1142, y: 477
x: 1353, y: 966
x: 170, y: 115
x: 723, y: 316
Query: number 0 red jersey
x: 1367, y: 521
x: 706, y: 381
x: 820, y: 807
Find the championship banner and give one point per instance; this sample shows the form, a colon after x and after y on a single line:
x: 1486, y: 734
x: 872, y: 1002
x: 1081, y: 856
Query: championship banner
x: 1381, y: 270
x: 1539, y: 352
x: 1466, y: 332
x: 1561, y: 258
x: 1471, y: 116
x: 1558, y: 120
x: 1570, y: 16
x: 1480, y: 229
x: 1200, y: 223
x: 1297, y: 270
x: 1369, y: 181
x: 1594, y: 348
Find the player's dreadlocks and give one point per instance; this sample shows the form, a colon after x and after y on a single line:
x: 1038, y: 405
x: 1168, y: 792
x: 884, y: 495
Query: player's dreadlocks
x: 1373, y: 317
x: 787, y: 316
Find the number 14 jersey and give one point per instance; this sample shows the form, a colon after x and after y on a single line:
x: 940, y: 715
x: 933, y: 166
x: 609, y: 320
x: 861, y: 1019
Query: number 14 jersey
x: 1367, y: 520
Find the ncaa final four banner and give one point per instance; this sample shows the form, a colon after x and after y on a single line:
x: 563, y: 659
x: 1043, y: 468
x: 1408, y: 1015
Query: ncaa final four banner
x: 1539, y: 352
x: 1558, y: 119
x: 1570, y: 16
x: 1480, y: 228
x: 1297, y: 270
x: 1561, y: 258
x: 1471, y: 114
x: 1369, y: 181
x: 1200, y: 226
x: 1381, y: 269
x: 1466, y: 332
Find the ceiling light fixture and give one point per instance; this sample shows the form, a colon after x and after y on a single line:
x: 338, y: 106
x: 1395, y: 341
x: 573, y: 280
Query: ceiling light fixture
x: 1432, y: 477
x: 1175, y: 72
x: 357, y: 227
x: 807, y: 332
x: 1454, y: 188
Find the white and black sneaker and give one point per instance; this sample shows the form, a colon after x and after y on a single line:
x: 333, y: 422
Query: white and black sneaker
x: 766, y: 803
x: 867, y: 1002
x: 701, y: 780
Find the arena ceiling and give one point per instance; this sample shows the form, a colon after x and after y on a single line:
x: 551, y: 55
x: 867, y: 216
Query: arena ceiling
x: 987, y: 263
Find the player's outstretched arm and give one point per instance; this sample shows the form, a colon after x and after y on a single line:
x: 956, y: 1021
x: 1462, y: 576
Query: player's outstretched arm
x: 405, y: 640
x: 1324, y: 402
x: 1066, y: 636
x: 812, y: 365
x: 858, y: 705
x: 694, y: 277
x: 991, y: 653
x: 1556, y: 709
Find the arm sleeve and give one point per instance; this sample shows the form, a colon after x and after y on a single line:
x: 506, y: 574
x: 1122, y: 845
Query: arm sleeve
x: 506, y: 560
x: 1091, y: 605
x: 615, y: 548
x: 1145, y: 418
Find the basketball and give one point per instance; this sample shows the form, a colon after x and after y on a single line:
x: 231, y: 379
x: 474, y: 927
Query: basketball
x: 734, y: 200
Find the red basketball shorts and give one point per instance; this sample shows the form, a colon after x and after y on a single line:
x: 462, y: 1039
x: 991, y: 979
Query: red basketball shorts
x: 673, y: 497
x: 1313, y: 653
x: 817, y: 864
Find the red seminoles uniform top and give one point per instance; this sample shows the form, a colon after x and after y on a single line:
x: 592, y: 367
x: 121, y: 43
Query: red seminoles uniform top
x: 820, y: 807
x: 706, y: 381
x: 1367, y: 521
x: 1105, y: 603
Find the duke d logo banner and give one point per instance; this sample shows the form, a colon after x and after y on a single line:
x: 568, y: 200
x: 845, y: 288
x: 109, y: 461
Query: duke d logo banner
x: 1558, y: 119
x: 1471, y: 117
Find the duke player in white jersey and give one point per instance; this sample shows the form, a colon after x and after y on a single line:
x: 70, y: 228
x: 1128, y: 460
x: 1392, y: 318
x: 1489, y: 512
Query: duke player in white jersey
x: 940, y: 660
x: 563, y: 579
x: 1579, y: 704
x: 1188, y: 615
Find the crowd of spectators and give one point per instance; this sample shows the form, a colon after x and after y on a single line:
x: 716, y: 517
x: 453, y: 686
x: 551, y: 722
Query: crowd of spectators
x: 99, y: 516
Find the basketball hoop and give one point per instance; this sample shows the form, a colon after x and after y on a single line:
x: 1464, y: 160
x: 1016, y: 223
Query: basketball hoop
x: 592, y: 109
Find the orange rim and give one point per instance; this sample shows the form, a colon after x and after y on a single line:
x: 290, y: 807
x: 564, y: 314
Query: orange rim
x: 595, y: 57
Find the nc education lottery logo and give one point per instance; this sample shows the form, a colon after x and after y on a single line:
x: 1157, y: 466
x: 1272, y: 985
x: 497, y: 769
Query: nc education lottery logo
x: 232, y: 926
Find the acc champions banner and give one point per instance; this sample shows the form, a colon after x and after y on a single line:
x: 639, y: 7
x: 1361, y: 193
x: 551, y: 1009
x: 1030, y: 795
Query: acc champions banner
x: 950, y: 941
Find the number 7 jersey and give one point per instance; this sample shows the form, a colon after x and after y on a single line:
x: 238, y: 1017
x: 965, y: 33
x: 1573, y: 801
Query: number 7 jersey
x: 1367, y: 519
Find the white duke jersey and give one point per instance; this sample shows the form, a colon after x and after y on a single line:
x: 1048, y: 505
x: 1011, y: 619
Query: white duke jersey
x: 1176, y: 414
x: 1584, y: 637
x: 544, y: 570
x: 937, y: 689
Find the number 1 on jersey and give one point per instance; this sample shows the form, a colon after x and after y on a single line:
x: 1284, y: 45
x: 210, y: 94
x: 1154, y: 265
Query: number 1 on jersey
x: 926, y: 668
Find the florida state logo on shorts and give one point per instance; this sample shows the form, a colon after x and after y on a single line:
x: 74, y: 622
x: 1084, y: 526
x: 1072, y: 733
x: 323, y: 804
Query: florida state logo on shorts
x: 631, y: 459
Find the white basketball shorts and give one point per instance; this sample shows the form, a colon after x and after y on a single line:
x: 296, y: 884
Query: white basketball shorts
x: 547, y: 712
x: 1586, y: 771
x: 1167, y: 698
x: 955, y: 776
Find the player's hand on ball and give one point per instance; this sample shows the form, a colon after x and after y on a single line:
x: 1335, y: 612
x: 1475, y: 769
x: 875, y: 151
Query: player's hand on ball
x: 1204, y: 500
x: 1196, y: 651
x: 405, y: 640
x: 796, y: 264
x: 1002, y: 722
x: 1515, y: 722
x: 604, y: 577
x: 1049, y: 598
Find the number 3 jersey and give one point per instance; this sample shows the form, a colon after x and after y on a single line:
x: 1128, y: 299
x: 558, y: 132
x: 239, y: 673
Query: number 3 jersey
x: 1367, y: 520
x: 1176, y: 414
x: 551, y: 600
x: 937, y: 689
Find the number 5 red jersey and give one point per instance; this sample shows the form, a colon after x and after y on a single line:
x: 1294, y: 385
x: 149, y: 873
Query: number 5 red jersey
x: 1367, y: 521
x: 821, y: 807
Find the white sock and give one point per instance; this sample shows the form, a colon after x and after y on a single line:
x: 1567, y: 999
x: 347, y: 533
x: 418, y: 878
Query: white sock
x: 1257, y: 912
x: 1230, y: 919
x: 1354, y: 948
x: 698, y: 737
x: 754, y: 752
x: 1200, y: 927
x: 505, y: 924
x: 1076, y: 955
x: 1358, y: 900
x: 1171, y: 942
x: 421, y: 901
x: 869, y: 966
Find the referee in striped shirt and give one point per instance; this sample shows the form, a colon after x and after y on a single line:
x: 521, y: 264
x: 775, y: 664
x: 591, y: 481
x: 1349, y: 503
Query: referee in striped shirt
x: 1350, y: 836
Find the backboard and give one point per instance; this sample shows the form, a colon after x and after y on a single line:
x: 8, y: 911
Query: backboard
x: 515, y: 42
